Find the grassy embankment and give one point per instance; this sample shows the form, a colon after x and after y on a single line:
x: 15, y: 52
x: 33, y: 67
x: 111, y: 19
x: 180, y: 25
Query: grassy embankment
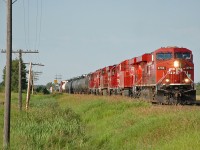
x: 93, y: 122
x: 44, y: 126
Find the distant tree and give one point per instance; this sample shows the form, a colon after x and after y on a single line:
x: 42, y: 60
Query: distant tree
x: 55, y: 87
x: 48, y: 85
x: 42, y: 89
x: 1, y: 87
x: 39, y: 89
x: 45, y: 91
x: 15, y: 76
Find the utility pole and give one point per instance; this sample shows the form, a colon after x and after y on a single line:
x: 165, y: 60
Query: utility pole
x: 6, y: 136
x: 20, y: 73
x: 58, y: 77
x: 20, y: 82
x: 30, y: 82
x: 35, y: 78
x: 29, y: 86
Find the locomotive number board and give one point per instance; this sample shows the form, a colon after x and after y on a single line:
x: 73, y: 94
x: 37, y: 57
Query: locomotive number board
x: 161, y: 68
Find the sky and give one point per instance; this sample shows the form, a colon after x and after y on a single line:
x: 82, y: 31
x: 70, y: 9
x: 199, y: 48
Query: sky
x: 75, y: 37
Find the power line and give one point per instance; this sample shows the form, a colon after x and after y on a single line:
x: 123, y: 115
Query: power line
x: 36, y: 23
x: 28, y: 24
x: 41, y: 6
x: 25, y: 34
x: 14, y: 2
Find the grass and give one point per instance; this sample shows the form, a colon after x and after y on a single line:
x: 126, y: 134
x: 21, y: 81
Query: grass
x: 62, y: 121
x: 45, y: 126
x: 121, y: 123
x: 198, y: 97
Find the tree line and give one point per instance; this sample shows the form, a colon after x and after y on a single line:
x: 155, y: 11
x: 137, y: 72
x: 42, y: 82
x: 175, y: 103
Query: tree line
x: 15, y: 76
x: 15, y: 79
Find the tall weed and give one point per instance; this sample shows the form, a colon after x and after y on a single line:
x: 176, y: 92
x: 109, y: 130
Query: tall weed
x: 47, y: 126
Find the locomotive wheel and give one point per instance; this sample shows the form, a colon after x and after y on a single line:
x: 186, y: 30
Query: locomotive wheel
x: 110, y: 92
x: 105, y: 93
x: 125, y: 93
x: 173, y: 101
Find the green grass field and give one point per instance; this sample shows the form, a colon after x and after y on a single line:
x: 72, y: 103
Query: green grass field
x: 65, y: 121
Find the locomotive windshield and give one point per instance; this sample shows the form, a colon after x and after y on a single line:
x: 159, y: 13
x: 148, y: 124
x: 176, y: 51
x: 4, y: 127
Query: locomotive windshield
x: 182, y: 55
x: 163, y: 56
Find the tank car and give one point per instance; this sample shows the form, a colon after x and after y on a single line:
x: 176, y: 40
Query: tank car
x: 68, y: 86
x: 63, y: 86
x: 78, y: 85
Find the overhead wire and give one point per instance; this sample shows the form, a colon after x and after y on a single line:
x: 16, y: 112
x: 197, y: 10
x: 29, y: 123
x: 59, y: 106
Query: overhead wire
x: 36, y: 25
x: 2, y: 35
x: 25, y: 29
x: 41, y: 10
x: 28, y: 22
x: 14, y: 1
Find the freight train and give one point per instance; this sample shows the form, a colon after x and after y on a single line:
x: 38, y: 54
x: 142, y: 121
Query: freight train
x: 164, y: 76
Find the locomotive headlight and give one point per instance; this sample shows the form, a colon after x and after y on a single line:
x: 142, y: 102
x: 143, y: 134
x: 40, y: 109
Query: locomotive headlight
x: 167, y: 80
x: 176, y: 64
x: 187, y: 80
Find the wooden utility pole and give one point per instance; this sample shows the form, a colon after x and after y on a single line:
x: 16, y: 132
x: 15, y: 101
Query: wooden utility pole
x: 6, y: 136
x: 20, y: 73
x: 30, y: 82
x: 35, y: 78
x: 58, y: 77
x: 20, y: 82
x: 29, y: 86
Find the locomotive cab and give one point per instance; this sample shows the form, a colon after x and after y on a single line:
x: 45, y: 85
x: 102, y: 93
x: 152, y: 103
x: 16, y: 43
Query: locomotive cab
x: 174, y: 75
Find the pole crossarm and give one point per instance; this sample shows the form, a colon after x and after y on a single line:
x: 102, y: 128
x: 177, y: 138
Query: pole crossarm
x: 39, y: 64
x: 12, y: 2
x: 37, y: 72
x: 21, y: 51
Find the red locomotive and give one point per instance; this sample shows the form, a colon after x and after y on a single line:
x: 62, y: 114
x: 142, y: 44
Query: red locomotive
x: 165, y: 75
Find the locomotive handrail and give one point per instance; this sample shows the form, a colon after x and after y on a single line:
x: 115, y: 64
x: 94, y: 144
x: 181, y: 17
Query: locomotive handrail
x: 162, y: 78
x: 168, y: 73
x: 188, y: 77
x: 138, y: 81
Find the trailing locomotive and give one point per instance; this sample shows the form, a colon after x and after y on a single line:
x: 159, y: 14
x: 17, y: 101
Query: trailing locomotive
x: 165, y: 75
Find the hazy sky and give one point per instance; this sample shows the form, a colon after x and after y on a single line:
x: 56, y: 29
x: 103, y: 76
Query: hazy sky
x: 76, y: 37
